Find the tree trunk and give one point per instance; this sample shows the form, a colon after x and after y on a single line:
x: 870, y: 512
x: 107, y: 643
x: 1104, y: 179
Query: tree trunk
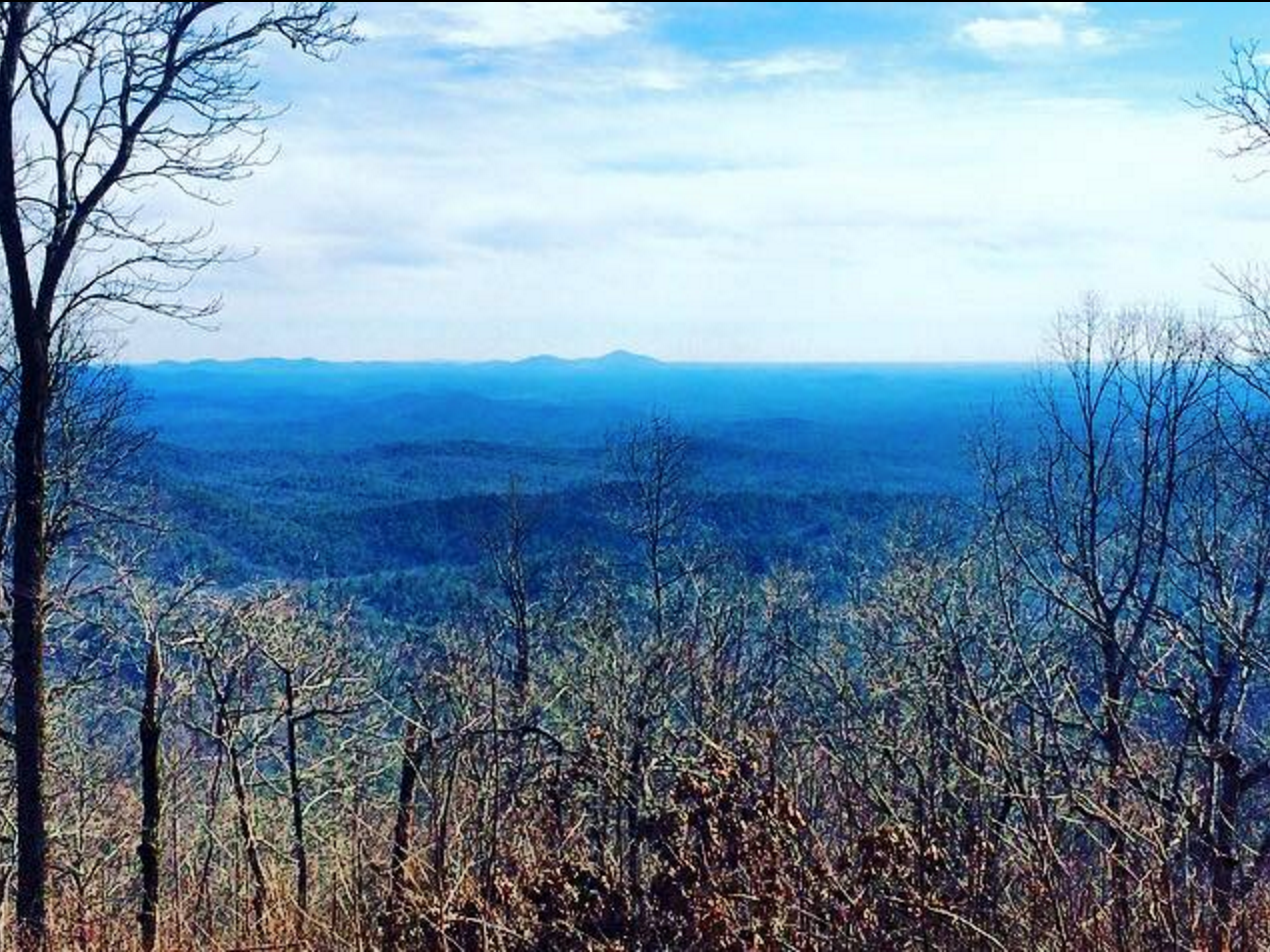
x: 29, y: 556
x: 299, y: 851
x: 1225, y: 857
x: 1114, y: 746
x: 634, y: 821
x: 402, y: 832
x: 520, y: 676
x: 30, y: 327
x: 151, y: 804
x: 260, y: 889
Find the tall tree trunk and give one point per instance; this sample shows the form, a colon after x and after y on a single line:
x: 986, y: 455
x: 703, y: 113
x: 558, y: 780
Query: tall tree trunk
x: 29, y: 556
x: 403, y: 830
x: 299, y: 850
x: 30, y: 327
x: 203, y: 887
x: 151, y: 805
x: 238, y: 783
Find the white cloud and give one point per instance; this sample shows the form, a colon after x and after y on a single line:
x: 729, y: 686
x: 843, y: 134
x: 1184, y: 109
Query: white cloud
x: 579, y: 199
x: 662, y: 79
x: 1092, y: 37
x: 788, y: 64
x: 1062, y: 9
x: 1008, y: 34
x: 1047, y: 27
x: 738, y: 220
x: 499, y: 25
x: 659, y: 71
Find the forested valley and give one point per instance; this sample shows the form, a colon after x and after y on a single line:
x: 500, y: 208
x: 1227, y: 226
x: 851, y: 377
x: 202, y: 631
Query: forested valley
x: 599, y: 655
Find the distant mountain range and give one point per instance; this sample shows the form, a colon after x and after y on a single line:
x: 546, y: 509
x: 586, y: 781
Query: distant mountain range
x: 309, y: 468
x: 616, y: 359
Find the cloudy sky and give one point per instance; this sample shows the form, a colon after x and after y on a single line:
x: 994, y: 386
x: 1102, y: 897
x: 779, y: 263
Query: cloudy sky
x: 731, y: 181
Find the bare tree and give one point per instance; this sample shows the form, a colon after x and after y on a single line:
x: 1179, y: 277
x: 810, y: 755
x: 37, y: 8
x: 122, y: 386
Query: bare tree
x: 1241, y: 102
x: 1217, y: 627
x: 97, y: 102
x: 228, y: 653
x: 155, y: 617
x: 652, y: 461
x: 511, y: 560
x: 309, y: 648
x: 1091, y: 517
x: 402, y: 835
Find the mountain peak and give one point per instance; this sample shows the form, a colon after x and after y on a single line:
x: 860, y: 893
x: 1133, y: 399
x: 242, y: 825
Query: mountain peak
x: 613, y: 360
x: 626, y: 358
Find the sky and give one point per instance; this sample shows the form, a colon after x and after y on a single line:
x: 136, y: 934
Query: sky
x: 730, y: 181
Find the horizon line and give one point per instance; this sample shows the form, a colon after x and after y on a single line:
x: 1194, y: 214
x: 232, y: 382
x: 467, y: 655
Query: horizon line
x: 614, y: 358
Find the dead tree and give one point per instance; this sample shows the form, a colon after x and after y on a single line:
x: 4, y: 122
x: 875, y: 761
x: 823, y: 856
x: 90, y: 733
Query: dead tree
x: 652, y: 463
x: 1219, y: 623
x: 516, y: 576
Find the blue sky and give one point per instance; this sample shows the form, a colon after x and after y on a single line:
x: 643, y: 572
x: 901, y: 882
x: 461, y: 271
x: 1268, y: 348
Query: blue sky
x: 731, y: 181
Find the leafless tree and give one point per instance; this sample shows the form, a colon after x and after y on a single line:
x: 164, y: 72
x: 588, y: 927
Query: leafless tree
x: 518, y: 576
x: 1091, y: 517
x: 1216, y: 627
x: 99, y: 101
x: 154, y: 618
x: 402, y: 835
x: 316, y: 663
x: 652, y: 461
x: 1241, y: 102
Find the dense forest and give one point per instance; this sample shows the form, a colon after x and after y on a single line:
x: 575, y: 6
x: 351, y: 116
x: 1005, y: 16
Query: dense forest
x: 724, y: 681
x: 383, y: 480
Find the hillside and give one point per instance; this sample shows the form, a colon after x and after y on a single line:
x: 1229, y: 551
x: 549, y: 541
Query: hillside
x: 313, y: 470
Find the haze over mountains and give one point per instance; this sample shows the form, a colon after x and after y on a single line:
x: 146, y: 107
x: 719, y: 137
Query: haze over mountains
x: 309, y: 469
x: 295, y: 402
